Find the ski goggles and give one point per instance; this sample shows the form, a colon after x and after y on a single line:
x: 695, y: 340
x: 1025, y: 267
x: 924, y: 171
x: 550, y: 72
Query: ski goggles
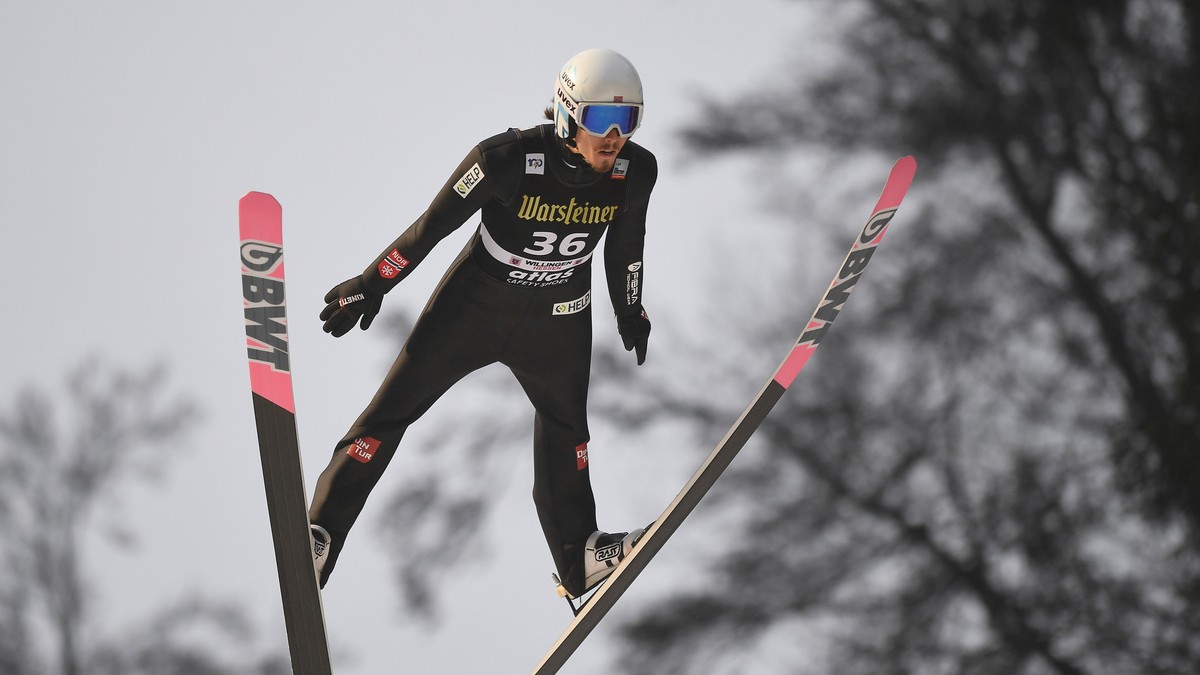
x: 599, y: 118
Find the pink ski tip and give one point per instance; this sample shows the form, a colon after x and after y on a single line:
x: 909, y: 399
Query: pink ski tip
x: 254, y: 196
x: 259, y: 202
x: 261, y: 217
x: 898, y: 182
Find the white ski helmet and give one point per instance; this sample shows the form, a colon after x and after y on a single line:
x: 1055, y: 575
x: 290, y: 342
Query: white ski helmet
x: 597, y: 89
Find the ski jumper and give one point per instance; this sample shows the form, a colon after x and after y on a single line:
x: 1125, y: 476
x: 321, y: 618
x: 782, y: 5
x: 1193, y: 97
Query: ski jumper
x: 519, y: 294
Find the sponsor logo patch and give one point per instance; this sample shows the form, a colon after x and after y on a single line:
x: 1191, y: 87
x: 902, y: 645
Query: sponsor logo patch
x: 620, y: 168
x: 539, y: 279
x: 581, y: 457
x: 533, y: 208
x: 392, y: 265
x: 573, y: 306
x: 633, y: 284
x: 266, y: 320
x: 608, y: 552
x: 535, y: 163
x: 261, y: 256
x: 469, y: 180
x: 363, y: 449
x: 564, y: 100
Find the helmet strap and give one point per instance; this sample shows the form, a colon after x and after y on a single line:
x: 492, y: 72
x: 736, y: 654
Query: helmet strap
x: 573, y: 130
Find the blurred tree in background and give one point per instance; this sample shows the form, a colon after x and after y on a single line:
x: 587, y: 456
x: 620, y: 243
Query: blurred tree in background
x: 65, y: 460
x: 993, y: 467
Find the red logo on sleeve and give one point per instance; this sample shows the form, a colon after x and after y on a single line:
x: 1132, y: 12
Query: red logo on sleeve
x: 392, y: 265
x: 363, y: 449
x: 581, y: 460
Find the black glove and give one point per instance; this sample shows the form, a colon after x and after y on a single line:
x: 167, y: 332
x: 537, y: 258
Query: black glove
x: 350, y: 301
x: 635, y: 332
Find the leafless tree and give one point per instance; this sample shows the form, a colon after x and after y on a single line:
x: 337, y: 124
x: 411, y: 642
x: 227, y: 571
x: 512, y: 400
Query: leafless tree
x: 65, y: 459
x: 993, y: 466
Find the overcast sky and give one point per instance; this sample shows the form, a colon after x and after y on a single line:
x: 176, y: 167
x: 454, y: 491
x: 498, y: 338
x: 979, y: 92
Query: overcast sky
x: 128, y: 131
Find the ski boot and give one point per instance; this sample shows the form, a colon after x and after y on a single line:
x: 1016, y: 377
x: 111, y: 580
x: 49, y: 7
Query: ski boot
x: 322, y: 545
x: 601, y: 555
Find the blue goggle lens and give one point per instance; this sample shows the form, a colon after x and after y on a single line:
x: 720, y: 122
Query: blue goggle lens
x: 599, y: 119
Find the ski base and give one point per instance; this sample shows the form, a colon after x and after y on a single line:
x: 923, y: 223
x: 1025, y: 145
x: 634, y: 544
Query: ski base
x: 261, y: 227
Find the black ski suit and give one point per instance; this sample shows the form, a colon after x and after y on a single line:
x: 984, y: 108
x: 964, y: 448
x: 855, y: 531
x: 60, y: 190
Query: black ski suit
x: 519, y: 294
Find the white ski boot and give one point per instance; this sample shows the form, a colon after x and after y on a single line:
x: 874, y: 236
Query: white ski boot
x: 601, y: 555
x: 321, y: 542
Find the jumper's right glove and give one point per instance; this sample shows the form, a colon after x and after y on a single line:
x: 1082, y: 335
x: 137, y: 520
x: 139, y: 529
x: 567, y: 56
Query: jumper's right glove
x: 635, y: 333
x: 350, y: 302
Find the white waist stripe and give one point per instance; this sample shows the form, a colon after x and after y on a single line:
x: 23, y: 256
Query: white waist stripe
x: 521, y: 262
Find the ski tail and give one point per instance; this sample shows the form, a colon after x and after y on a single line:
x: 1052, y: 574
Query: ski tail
x: 264, y: 303
x: 718, y: 460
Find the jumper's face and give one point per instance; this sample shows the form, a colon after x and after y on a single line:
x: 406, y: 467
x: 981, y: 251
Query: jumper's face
x: 600, y: 152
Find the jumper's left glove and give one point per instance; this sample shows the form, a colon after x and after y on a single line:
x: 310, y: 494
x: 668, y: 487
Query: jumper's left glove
x: 635, y: 333
x: 350, y: 302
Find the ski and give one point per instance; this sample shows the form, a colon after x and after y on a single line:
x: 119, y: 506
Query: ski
x: 261, y: 224
x: 714, y: 465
